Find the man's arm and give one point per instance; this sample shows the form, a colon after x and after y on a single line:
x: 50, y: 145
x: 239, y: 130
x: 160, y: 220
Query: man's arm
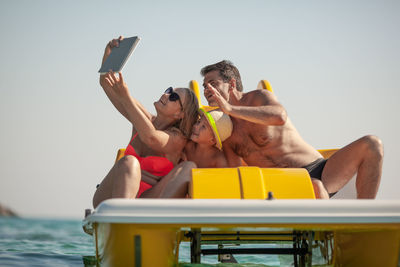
x: 258, y: 106
x: 266, y: 114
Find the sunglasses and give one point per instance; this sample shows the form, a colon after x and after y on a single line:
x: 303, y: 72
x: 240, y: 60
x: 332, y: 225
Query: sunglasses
x: 173, y: 96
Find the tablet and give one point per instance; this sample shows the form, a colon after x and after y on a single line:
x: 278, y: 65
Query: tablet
x: 119, y: 55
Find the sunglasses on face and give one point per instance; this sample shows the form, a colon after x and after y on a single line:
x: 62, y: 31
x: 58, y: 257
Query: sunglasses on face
x: 173, y: 96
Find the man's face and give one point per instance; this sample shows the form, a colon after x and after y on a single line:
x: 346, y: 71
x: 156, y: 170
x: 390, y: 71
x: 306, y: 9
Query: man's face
x: 214, y: 79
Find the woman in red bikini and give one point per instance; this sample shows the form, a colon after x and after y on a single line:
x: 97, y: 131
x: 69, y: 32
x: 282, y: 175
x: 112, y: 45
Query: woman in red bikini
x: 151, y: 165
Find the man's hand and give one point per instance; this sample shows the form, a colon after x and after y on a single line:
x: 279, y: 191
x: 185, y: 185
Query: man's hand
x: 218, y: 98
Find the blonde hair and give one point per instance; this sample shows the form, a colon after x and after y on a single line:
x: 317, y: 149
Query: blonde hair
x: 191, y: 113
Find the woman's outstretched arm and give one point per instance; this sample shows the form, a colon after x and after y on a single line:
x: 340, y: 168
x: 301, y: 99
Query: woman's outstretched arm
x: 158, y: 140
x: 110, y: 94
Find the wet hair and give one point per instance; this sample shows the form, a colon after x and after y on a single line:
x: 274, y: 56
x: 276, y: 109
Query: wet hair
x: 226, y: 70
x: 191, y: 113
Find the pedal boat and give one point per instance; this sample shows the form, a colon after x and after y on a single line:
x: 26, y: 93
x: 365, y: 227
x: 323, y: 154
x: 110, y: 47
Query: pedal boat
x: 246, y: 205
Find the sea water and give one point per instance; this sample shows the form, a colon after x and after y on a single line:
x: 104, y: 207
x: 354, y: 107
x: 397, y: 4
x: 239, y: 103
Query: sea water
x: 55, y: 242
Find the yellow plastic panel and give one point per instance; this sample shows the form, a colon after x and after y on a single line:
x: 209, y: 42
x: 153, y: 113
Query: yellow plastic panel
x: 367, y: 248
x: 193, y: 84
x: 120, y: 154
x: 253, y: 185
x: 215, y: 183
x: 208, y: 108
x: 327, y: 153
x: 264, y: 84
x: 116, y: 245
x: 288, y: 183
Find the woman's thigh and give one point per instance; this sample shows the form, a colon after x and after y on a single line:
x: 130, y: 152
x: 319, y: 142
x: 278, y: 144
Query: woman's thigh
x: 174, y: 183
x: 126, y: 166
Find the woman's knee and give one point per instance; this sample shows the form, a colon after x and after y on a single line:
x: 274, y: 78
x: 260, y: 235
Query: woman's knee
x: 127, y: 171
x: 128, y: 164
x: 186, y: 170
x: 127, y: 177
x: 319, y: 189
x: 188, y: 165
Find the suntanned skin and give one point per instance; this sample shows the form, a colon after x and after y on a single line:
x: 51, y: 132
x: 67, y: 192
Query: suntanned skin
x: 199, y: 152
x: 264, y: 136
x: 201, y: 148
x: 156, y: 136
x: 271, y: 142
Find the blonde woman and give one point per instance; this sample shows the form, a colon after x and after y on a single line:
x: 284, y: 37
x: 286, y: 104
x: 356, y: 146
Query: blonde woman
x: 151, y: 161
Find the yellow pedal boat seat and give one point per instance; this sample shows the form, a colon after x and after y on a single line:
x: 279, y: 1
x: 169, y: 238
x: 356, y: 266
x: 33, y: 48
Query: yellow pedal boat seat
x: 251, y: 183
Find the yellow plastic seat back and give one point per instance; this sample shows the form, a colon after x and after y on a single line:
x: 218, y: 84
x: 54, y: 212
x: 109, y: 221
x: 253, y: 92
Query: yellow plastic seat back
x: 251, y: 183
x: 120, y: 154
x: 194, y: 86
x: 264, y: 84
x: 327, y: 153
x: 215, y: 183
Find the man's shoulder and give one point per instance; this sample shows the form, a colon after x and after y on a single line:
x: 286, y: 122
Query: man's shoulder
x: 257, y: 97
x: 260, y: 93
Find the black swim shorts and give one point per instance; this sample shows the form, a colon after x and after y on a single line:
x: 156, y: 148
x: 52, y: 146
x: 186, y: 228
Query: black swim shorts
x: 315, y: 170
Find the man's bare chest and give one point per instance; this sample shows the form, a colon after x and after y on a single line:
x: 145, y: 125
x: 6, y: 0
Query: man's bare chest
x: 247, y: 139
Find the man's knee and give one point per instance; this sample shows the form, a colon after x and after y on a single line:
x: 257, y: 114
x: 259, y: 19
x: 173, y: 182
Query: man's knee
x: 373, y: 145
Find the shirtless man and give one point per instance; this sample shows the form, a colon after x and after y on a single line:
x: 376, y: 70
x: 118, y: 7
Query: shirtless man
x: 264, y: 136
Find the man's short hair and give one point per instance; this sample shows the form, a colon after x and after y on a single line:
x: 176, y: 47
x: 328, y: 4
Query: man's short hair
x: 226, y: 70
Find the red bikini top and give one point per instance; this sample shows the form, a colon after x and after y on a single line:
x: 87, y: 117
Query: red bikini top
x: 159, y: 166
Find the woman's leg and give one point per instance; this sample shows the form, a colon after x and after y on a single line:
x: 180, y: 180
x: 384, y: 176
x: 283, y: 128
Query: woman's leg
x: 319, y: 189
x: 173, y: 185
x: 122, y: 181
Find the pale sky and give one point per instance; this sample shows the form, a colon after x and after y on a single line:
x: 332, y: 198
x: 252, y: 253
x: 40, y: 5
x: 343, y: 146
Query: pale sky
x: 334, y: 65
